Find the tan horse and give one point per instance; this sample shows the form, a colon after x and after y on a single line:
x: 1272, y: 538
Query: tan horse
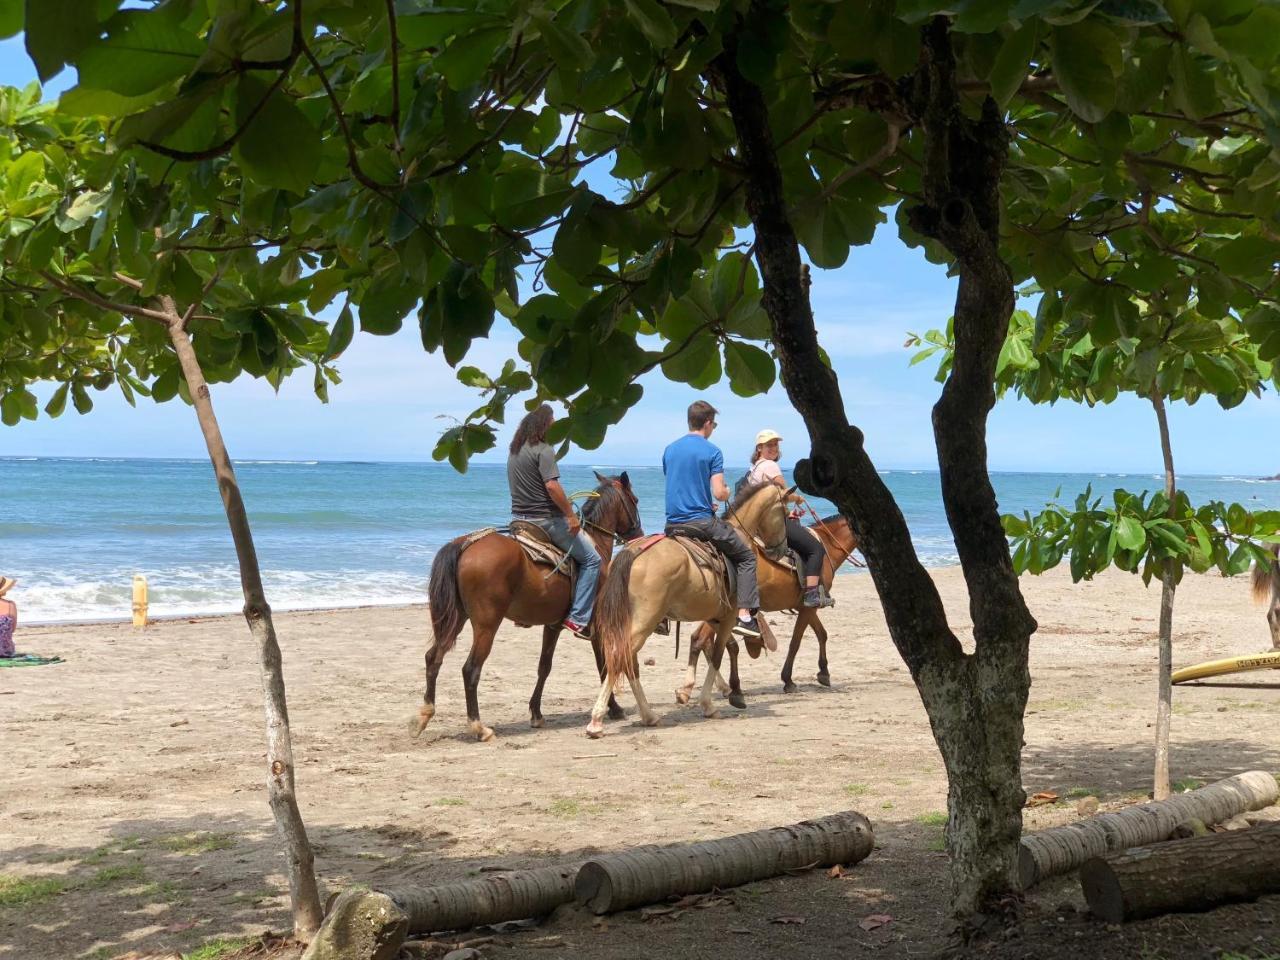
x: 492, y: 579
x: 1266, y: 589
x: 646, y: 586
x: 780, y: 590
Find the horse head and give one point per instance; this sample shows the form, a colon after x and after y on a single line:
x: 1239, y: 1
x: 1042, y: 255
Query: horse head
x: 760, y: 509
x: 615, y: 507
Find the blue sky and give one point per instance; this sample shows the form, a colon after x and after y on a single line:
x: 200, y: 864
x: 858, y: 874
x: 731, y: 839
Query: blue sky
x: 395, y: 398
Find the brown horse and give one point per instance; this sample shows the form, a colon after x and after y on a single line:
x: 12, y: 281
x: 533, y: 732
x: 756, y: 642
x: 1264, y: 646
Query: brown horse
x: 491, y: 579
x: 646, y: 586
x: 1266, y: 587
x: 780, y: 590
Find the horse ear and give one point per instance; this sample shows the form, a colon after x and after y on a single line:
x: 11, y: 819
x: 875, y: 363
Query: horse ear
x: 626, y: 481
x: 600, y: 476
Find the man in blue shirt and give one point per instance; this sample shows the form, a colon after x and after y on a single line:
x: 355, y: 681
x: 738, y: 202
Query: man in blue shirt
x: 694, y: 468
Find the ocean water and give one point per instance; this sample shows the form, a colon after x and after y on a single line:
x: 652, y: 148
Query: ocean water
x: 75, y: 531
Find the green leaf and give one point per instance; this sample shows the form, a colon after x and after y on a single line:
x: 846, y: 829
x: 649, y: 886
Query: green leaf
x: 1130, y: 534
x: 1010, y: 67
x: 144, y: 51
x: 751, y: 370
x: 1193, y: 88
x: 58, y: 402
x: 280, y: 147
x: 11, y: 12
x: 654, y: 22
x: 80, y: 398
x: 1247, y: 256
x: 341, y: 334
x: 695, y: 363
x: 82, y: 209
x: 56, y: 31
x: 465, y: 61
x: 386, y: 303
x: 1086, y: 61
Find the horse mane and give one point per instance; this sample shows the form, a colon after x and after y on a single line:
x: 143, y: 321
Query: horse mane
x: 833, y: 518
x: 607, y: 494
x: 747, y: 492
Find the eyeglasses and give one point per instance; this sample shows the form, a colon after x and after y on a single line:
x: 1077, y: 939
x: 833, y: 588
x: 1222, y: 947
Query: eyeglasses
x: 714, y: 424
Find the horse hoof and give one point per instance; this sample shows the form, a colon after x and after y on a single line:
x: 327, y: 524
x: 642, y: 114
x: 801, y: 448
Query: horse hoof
x: 712, y: 714
x: 824, y: 679
x: 418, y: 722
x: 483, y: 734
x: 537, y: 723
x: 595, y: 732
x: 682, y: 695
x: 737, y: 700
x: 617, y: 713
x: 649, y: 721
x: 789, y: 687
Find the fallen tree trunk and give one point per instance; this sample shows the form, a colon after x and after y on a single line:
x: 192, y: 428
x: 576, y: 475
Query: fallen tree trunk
x: 1184, y: 875
x: 372, y: 924
x: 624, y: 880
x: 1047, y: 853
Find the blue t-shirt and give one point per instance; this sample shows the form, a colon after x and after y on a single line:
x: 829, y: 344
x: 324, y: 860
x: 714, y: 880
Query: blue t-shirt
x: 689, y: 465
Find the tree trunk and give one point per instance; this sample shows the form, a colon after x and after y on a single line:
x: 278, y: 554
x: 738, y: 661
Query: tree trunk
x: 1048, y: 853
x: 1168, y: 583
x: 303, y: 893
x: 1184, y: 875
x: 974, y: 702
x: 624, y: 880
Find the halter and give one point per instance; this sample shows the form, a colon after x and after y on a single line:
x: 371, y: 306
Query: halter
x: 770, y: 550
x: 632, y: 510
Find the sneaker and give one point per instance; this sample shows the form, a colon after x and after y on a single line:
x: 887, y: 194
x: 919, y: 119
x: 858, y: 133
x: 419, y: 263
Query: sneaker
x: 747, y: 628
x: 815, y: 597
x: 582, y: 633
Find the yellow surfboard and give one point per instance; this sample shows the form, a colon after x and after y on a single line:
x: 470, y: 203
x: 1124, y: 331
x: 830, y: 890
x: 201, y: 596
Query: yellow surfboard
x: 1216, y: 668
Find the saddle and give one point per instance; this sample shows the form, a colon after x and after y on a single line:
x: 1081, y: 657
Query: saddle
x: 535, y: 543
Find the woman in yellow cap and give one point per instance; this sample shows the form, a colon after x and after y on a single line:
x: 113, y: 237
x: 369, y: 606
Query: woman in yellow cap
x: 765, y: 469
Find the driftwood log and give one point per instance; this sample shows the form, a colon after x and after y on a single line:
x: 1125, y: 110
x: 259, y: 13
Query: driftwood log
x: 1184, y: 875
x: 1047, y: 853
x: 624, y: 880
x: 373, y: 924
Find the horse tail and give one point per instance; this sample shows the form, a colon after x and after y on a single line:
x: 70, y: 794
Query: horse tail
x: 1266, y: 582
x: 447, y: 611
x: 613, y: 617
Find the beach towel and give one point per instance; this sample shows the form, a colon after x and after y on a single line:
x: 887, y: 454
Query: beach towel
x: 28, y: 660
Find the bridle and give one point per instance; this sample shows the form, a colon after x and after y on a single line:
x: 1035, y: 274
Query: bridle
x: 771, y: 550
x: 633, y: 516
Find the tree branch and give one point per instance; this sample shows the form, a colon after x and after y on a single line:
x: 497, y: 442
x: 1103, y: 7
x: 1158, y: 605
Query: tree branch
x: 90, y: 296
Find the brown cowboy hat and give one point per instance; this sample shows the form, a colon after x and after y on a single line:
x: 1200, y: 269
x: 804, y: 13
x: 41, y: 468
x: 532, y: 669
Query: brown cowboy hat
x: 7, y: 584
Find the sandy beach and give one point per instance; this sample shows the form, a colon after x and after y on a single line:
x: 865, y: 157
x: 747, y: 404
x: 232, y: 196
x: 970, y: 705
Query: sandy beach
x: 134, y: 770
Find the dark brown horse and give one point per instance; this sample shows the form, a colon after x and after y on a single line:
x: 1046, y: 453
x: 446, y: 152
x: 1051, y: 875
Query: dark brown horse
x: 779, y: 590
x: 492, y: 579
x: 1266, y: 589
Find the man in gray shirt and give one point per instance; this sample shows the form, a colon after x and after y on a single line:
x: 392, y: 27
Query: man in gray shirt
x: 537, y: 497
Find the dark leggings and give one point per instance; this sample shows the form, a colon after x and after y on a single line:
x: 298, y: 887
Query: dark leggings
x: 806, y: 543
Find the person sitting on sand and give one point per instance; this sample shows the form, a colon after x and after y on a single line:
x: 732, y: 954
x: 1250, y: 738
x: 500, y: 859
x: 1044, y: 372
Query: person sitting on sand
x: 8, y: 617
x: 538, y: 498
x: 765, y: 469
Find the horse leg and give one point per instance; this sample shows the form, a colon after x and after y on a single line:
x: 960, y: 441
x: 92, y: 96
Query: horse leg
x: 615, y: 710
x: 802, y: 621
x: 481, y: 644
x: 736, y: 699
x: 824, y: 677
x: 1273, y: 618
x: 550, y: 637
x: 695, y: 643
x: 726, y: 689
x: 647, y: 716
x: 595, y: 727
x: 713, y: 669
x: 434, y: 658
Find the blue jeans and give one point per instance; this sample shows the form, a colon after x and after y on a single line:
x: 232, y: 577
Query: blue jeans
x: 583, y: 552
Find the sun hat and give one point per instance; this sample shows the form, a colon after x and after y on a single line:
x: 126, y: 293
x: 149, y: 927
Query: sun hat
x: 767, y: 436
x: 7, y: 584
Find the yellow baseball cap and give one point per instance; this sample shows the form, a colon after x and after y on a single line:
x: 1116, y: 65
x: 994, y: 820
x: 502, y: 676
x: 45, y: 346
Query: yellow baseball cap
x: 767, y: 436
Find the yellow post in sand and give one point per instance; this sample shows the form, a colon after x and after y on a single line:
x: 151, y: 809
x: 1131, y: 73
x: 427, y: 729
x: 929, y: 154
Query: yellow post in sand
x: 139, y: 600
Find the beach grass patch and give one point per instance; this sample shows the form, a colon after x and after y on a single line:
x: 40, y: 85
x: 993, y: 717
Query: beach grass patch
x: 887, y: 805
x: 449, y: 802
x: 934, y: 818
x: 1188, y: 783
x: 123, y: 845
x: 193, y: 843
x: 23, y: 891
x: 163, y: 891
x: 717, y: 784
x: 1077, y: 793
x: 112, y: 876
x: 568, y: 808
x: 856, y: 789
x: 937, y: 845
x: 219, y: 948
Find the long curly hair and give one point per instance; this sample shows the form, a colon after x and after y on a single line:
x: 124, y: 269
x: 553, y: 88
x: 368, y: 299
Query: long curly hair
x: 533, y: 428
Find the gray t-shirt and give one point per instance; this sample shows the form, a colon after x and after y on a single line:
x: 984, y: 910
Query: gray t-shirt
x: 527, y: 474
